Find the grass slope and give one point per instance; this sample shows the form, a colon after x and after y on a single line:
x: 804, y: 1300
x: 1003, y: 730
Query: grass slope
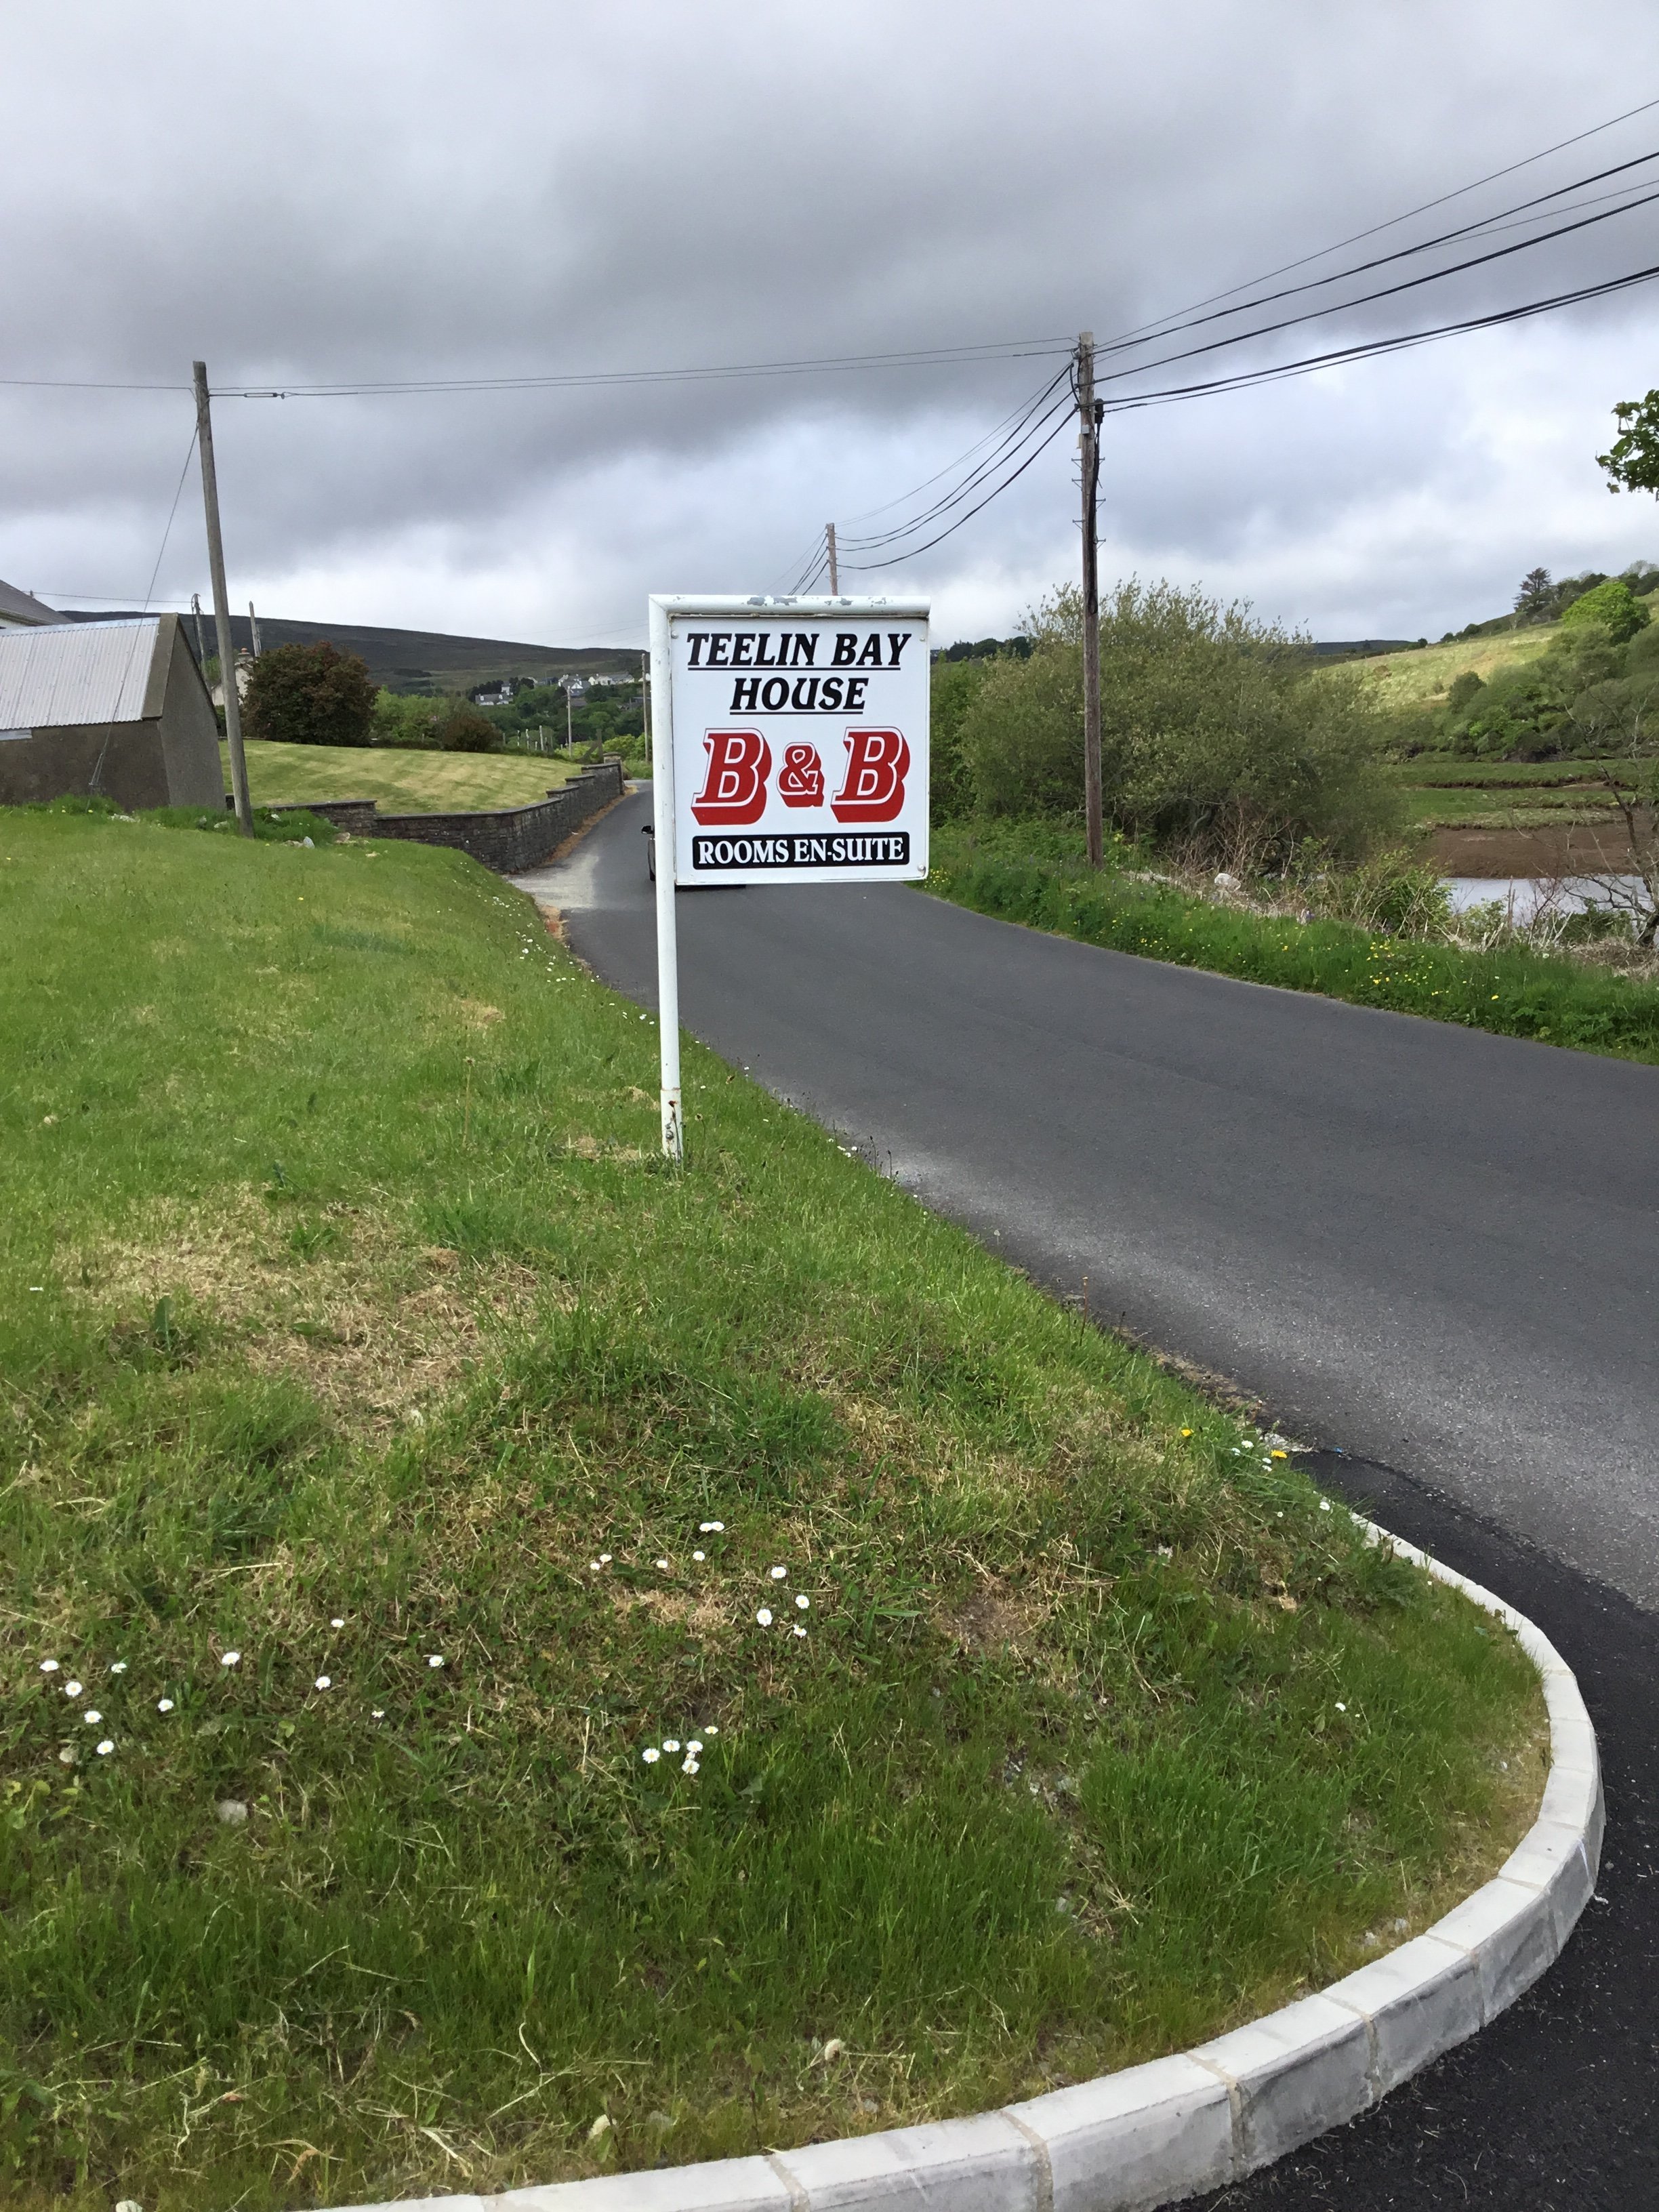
x: 404, y: 782
x: 1035, y: 873
x: 349, y: 1324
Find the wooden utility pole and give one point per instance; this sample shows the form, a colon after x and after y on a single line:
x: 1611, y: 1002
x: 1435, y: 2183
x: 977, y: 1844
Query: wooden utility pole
x: 835, y: 566
x: 253, y: 631
x: 569, y: 732
x: 1089, y: 411
x: 221, y: 606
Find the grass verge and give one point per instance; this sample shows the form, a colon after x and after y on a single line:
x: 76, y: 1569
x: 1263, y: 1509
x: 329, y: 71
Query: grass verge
x: 394, y: 1454
x: 1035, y: 873
x: 404, y: 782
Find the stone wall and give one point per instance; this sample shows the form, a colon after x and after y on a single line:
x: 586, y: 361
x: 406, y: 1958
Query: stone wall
x: 507, y: 839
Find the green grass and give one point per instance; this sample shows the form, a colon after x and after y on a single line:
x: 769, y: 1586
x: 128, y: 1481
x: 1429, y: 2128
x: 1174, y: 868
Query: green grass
x: 1441, y: 792
x: 404, y: 782
x: 349, y: 1319
x: 1035, y: 874
x: 1423, y: 678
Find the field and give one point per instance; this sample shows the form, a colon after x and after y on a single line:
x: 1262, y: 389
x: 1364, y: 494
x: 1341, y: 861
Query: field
x: 1506, y: 795
x: 1423, y: 678
x: 511, y: 1653
x: 404, y: 782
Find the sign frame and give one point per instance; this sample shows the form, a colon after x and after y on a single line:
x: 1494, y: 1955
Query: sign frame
x: 665, y: 611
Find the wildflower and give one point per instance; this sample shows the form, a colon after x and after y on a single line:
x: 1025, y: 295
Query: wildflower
x: 805, y: 1603
x: 670, y: 1743
x: 230, y: 1659
x: 1166, y: 1551
x: 799, y: 1631
x: 71, y: 1689
x: 377, y: 1712
x: 687, y: 1765
x: 338, y: 1621
x: 1341, y: 1707
x: 48, y: 1666
x: 1186, y: 1432
x: 764, y: 1616
x: 1324, y: 1505
x: 1280, y: 1454
x: 435, y: 1659
x: 604, y: 1558
x: 105, y: 1748
x: 694, y: 1745
x: 324, y: 1682
x: 711, y: 1729
x: 164, y: 1705
x: 778, y: 1573
x: 67, y: 1756
x: 697, y: 1555
x: 663, y: 1565
x: 92, y: 1716
x: 592, y: 1566
x: 117, y: 1667
x: 651, y: 1754
x: 711, y: 1527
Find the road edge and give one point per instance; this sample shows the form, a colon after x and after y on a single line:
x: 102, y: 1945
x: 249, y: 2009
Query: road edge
x: 1154, y: 2134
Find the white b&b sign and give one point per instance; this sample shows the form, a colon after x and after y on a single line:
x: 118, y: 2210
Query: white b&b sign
x: 788, y: 745
x: 800, y: 738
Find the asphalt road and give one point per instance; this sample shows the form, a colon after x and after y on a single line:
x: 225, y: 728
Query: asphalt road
x: 1434, y: 1255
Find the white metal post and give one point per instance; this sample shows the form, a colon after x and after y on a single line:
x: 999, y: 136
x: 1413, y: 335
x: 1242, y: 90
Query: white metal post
x: 661, y: 711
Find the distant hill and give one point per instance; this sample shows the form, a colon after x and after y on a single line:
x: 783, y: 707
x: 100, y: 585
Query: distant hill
x: 418, y: 660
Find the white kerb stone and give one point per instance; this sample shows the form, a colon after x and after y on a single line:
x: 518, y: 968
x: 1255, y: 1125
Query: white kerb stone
x: 982, y: 2165
x: 1143, y: 2137
x: 1420, y: 2000
x: 1298, y: 2071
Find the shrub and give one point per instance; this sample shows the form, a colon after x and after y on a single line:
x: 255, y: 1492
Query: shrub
x: 1612, y: 606
x: 400, y: 719
x: 1217, y: 734
x: 309, y: 695
x: 464, y: 729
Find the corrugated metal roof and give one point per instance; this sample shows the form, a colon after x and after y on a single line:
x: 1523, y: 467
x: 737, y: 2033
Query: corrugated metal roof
x: 17, y: 606
x: 78, y: 672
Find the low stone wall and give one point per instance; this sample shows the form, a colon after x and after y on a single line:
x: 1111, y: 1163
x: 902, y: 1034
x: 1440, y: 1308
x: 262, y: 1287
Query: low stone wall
x: 507, y: 839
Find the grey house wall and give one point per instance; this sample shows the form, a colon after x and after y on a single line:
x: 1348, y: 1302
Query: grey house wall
x: 169, y: 756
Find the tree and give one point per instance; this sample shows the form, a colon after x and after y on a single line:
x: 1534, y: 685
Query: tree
x: 1218, y: 735
x: 1632, y: 464
x: 464, y: 729
x: 1535, y: 601
x: 1612, y: 606
x: 309, y: 695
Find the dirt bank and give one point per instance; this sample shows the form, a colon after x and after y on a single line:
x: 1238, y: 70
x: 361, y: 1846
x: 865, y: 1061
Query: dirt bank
x: 1576, y: 850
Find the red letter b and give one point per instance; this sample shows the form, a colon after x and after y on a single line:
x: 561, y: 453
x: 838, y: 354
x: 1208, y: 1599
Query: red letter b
x: 733, y: 794
x: 878, y: 761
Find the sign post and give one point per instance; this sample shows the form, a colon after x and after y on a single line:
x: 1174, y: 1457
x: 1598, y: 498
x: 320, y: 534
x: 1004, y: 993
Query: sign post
x: 788, y: 745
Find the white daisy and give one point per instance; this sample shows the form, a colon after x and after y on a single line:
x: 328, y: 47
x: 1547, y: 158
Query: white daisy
x: 230, y: 1659
x: 48, y: 1666
x: 324, y: 1682
x: 698, y: 1555
x: 687, y: 1765
x: 804, y: 1603
x: 670, y: 1743
x: 435, y: 1659
x: 377, y: 1712
x: 105, y: 1748
x: 338, y: 1621
x: 117, y: 1667
x: 694, y: 1745
x: 663, y: 1565
x: 651, y: 1754
x: 764, y: 1616
x: 800, y: 1632
x: 164, y: 1705
x: 92, y: 1716
x: 778, y: 1573
x: 71, y: 1689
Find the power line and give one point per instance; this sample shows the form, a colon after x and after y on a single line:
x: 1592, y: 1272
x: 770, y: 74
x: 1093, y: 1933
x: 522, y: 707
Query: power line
x: 1486, y: 224
x: 189, y: 455
x: 1357, y: 237
x: 1386, y: 292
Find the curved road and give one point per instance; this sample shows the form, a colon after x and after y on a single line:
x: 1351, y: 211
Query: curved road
x: 1433, y: 1253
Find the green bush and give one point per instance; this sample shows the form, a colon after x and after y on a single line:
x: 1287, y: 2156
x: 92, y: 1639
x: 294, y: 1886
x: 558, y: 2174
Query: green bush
x: 1217, y: 735
x: 1612, y: 606
x: 309, y: 695
x: 401, y: 720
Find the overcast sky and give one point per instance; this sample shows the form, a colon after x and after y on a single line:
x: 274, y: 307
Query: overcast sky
x: 304, y: 194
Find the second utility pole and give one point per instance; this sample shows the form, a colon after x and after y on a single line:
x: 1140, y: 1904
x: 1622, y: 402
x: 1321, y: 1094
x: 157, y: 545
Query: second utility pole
x: 1089, y: 411
x: 222, y: 606
x: 835, y: 565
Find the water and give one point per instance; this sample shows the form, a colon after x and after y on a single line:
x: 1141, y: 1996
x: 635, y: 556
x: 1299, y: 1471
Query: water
x: 1524, y: 894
